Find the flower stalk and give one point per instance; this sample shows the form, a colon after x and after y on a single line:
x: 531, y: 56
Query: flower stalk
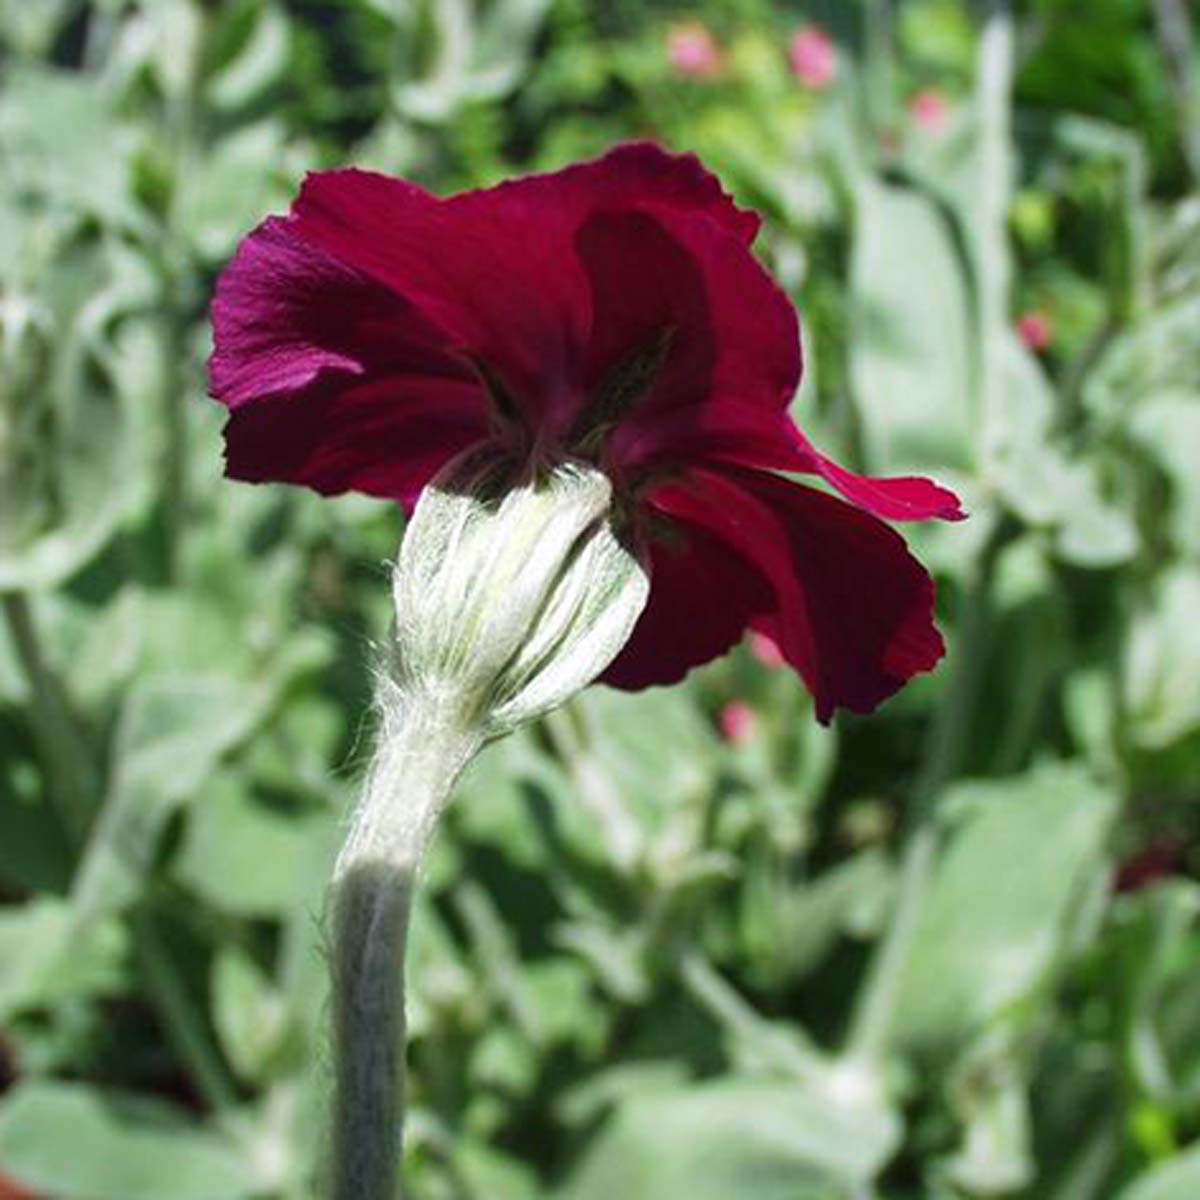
x: 514, y: 589
x: 422, y: 750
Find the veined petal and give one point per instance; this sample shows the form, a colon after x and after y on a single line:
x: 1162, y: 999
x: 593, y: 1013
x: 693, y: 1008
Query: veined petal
x: 899, y: 498
x: 496, y: 269
x: 632, y: 174
x: 755, y: 436
x: 333, y: 381
x: 386, y: 437
x: 500, y: 288
x: 850, y: 608
x: 661, y: 277
x: 286, y: 313
x: 702, y: 594
x: 751, y: 435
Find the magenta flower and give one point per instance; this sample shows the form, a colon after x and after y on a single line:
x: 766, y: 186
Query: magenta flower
x: 693, y: 52
x: 813, y: 57
x: 611, y: 312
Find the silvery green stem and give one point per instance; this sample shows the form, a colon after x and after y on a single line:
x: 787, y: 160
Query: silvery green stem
x: 513, y: 590
x: 422, y: 750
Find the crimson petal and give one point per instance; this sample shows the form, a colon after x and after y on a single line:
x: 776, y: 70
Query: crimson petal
x: 753, y: 436
x: 750, y: 435
x: 728, y: 329
x: 285, y: 314
x: 702, y: 594
x: 386, y: 438
x: 899, y: 498
x: 333, y: 381
x: 496, y: 269
x: 499, y: 288
x: 851, y: 609
x: 635, y: 173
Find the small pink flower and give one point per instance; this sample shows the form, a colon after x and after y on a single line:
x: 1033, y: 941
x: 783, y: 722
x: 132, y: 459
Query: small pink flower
x: 1036, y: 330
x: 738, y: 722
x: 766, y: 650
x: 930, y: 111
x: 814, y: 58
x: 11, y: 1190
x: 693, y: 51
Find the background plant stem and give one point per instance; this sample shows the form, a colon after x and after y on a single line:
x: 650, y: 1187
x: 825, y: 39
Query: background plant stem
x: 182, y: 1018
x: 1173, y: 27
x: 875, y: 1012
x: 70, y: 776
x: 73, y: 781
x: 874, y: 1015
x: 182, y: 121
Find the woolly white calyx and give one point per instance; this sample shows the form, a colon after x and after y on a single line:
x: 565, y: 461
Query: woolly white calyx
x: 511, y: 596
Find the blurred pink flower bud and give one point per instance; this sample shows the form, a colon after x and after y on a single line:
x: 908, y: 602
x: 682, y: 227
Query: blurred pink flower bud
x: 737, y: 722
x: 1036, y: 330
x: 930, y: 111
x: 766, y: 650
x: 693, y: 51
x: 814, y: 58
x: 11, y: 1190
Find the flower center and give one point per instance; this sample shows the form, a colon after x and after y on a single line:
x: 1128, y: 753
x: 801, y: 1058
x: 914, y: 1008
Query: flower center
x: 505, y: 410
x: 619, y: 393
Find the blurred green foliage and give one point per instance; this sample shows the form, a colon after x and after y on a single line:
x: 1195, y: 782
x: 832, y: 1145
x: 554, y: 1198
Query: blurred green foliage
x: 949, y: 951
